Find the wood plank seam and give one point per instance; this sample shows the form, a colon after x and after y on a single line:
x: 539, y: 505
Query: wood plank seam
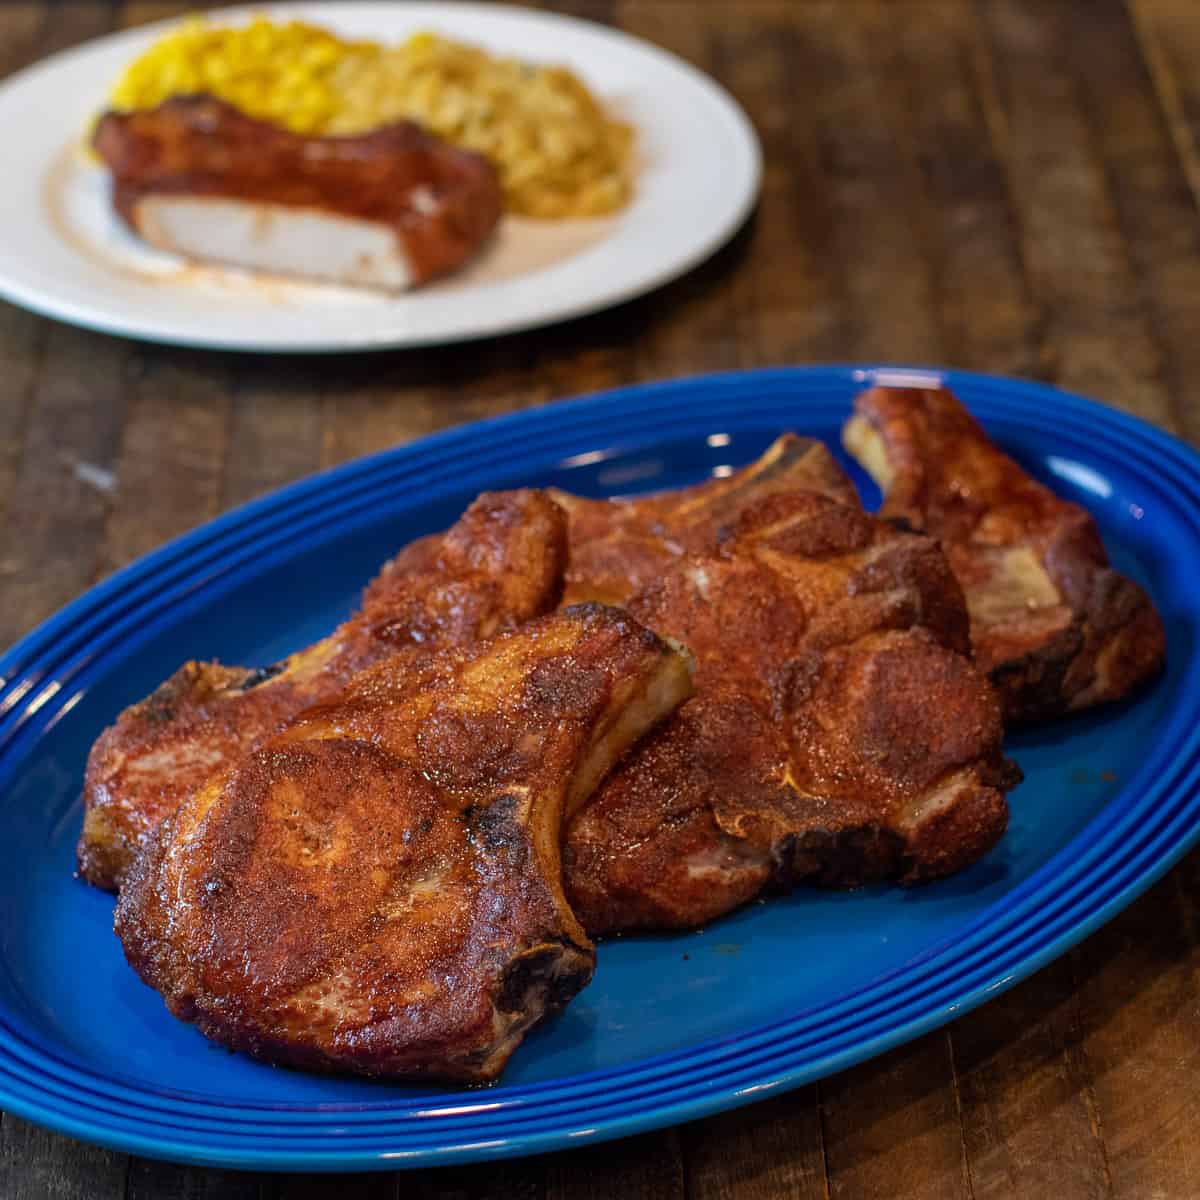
x: 1143, y: 302
x: 824, y: 1140
x: 1160, y: 86
x: 1000, y: 136
x: 19, y: 431
x: 1166, y: 92
x: 968, y: 1177
x: 919, y: 206
x: 1087, y: 1074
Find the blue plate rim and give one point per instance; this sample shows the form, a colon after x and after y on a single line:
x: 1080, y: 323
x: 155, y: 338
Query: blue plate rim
x: 1150, y: 856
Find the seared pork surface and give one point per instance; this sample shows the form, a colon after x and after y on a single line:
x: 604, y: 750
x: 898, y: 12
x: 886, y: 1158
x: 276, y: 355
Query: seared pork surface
x: 501, y: 564
x: 1052, y: 623
x: 388, y: 209
x: 377, y: 887
x: 839, y: 732
x: 619, y: 547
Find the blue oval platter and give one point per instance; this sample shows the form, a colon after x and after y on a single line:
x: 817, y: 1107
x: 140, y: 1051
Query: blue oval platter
x: 673, y: 1027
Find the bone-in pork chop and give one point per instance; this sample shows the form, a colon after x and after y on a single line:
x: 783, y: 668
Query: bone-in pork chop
x: 377, y: 888
x: 1053, y: 624
x: 499, y: 565
x: 839, y: 732
x: 617, y: 547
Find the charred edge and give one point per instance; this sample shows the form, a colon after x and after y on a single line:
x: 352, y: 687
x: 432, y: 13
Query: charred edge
x: 555, y: 971
x: 422, y: 828
x: 846, y: 859
x: 163, y: 703
x: 1031, y: 687
x: 587, y: 610
x: 158, y: 713
x: 617, y: 619
x: 1002, y: 773
x: 260, y: 675
x: 495, y: 828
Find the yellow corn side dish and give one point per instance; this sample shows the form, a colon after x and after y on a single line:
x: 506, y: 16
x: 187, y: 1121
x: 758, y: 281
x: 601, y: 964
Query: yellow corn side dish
x: 556, y: 151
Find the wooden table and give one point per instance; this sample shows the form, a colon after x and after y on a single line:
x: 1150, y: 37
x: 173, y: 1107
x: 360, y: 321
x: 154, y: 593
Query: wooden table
x: 1009, y: 185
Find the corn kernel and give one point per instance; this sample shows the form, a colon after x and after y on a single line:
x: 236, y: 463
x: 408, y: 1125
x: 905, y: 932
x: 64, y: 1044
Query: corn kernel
x: 557, y: 153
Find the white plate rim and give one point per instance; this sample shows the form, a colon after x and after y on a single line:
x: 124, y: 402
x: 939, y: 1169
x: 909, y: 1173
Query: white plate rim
x: 21, y: 285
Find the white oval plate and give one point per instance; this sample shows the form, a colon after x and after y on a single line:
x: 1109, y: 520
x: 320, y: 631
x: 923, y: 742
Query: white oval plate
x: 65, y: 255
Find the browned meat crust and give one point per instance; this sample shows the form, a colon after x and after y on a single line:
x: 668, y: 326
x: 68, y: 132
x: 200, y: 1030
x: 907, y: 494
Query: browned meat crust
x: 1055, y: 627
x: 499, y: 565
x: 442, y: 202
x: 839, y: 733
x: 620, y: 546
x: 377, y: 888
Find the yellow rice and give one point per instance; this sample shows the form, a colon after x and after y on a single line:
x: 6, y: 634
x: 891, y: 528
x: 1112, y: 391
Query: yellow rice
x: 557, y: 152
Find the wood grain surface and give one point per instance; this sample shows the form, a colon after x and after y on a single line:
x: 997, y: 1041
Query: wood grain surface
x: 1006, y: 185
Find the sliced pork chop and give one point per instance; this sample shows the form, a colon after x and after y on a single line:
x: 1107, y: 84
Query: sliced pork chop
x: 377, y: 888
x: 1056, y: 628
x: 388, y: 209
x: 501, y: 564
